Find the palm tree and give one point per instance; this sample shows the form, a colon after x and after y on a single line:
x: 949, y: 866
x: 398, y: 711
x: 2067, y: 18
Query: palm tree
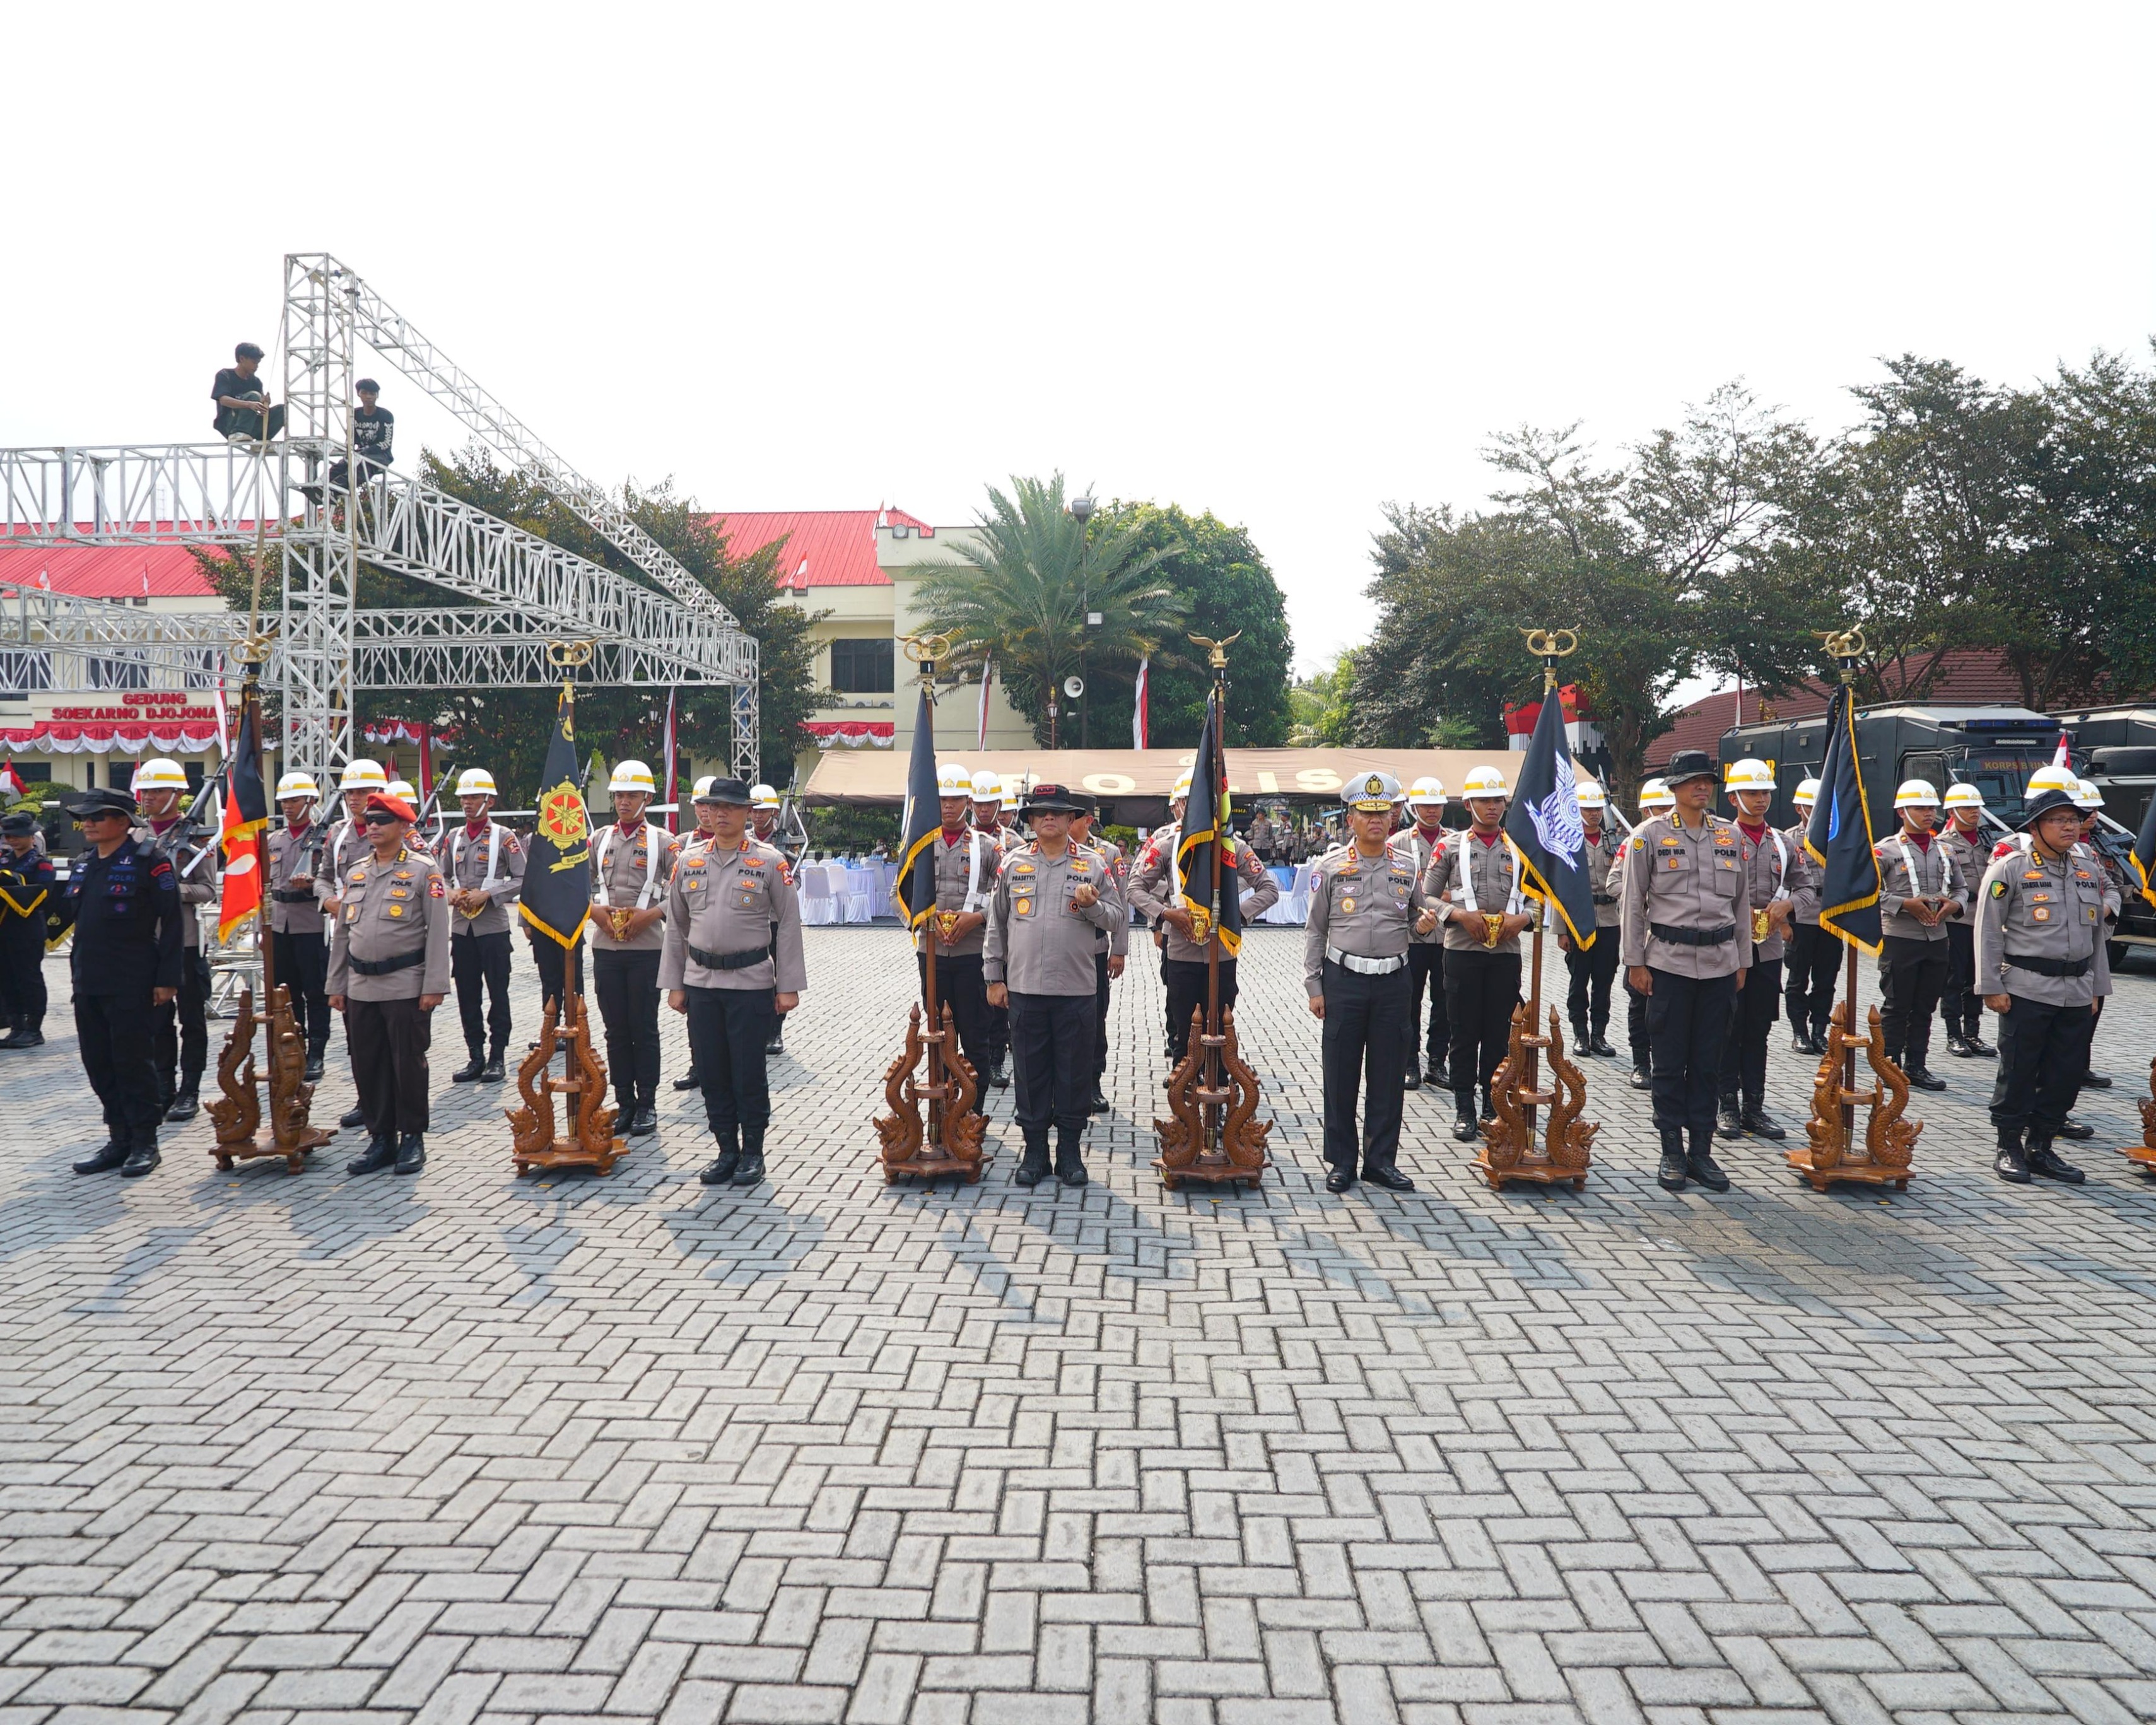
x: 1020, y: 595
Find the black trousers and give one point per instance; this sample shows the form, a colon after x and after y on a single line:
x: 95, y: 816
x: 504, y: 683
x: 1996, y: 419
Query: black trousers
x: 627, y: 984
x: 389, y: 1040
x: 548, y: 958
x: 1635, y: 1028
x: 1186, y: 994
x: 477, y: 963
x: 1368, y: 1038
x: 1100, y: 1019
x: 23, y: 974
x: 728, y: 1030
x: 1687, y: 1023
x: 2043, y: 1056
x: 303, y: 967
x: 114, y: 1032
x: 996, y: 1045
x: 1052, y: 1059
x: 1809, y: 968
x: 1960, y: 1005
x: 1744, y: 1061
x: 1586, y: 1001
x: 1913, y: 975
x: 959, y: 981
x: 182, y: 1036
x: 1426, y: 973
x: 1480, y: 990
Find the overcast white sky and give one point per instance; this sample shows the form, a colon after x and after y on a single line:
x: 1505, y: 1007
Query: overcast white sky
x: 1285, y: 263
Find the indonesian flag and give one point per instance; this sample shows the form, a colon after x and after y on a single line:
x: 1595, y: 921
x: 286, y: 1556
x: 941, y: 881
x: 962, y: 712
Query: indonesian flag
x: 666, y: 784
x: 981, y: 718
x: 11, y: 782
x: 2064, y: 757
x: 1141, y: 718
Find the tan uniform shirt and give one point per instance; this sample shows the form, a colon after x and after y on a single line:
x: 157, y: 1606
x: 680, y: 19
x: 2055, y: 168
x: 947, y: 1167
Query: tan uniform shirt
x: 1490, y: 885
x: 1803, y: 875
x: 1907, y: 870
x: 1971, y: 857
x: 630, y: 872
x: 1420, y: 853
x: 1686, y: 879
x: 388, y: 910
x: 1152, y: 889
x: 965, y: 880
x: 1602, y: 849
x: 727, y: 903
x: 1768, y: 866
x: 1365, y: 907
x: 1039, y: 942
x: 344, y: 845
x: 1116, y: 940
x: 197, y: 888
x: 2051, y: 912
x: 295, y: 910
x: 466, y: 862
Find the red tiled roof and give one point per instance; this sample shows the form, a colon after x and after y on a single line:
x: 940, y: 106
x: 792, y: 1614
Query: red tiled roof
x: 824, y: 547
x: 1967, y: 679
x: 107, y: 572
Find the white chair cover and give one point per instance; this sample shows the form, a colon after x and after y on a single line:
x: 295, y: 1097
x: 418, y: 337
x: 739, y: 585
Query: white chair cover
x: 818, y: 909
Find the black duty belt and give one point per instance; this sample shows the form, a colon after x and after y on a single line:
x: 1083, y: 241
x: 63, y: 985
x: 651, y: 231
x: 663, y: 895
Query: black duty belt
x: 285, y: 897
x: 1692, y: 937
x: 389, y: 967
x: 729, y: 961
x: 2051, y: 966
x: 1605, y: 898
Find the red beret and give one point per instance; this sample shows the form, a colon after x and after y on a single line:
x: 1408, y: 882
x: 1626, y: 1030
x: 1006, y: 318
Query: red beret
x: 391, y: 805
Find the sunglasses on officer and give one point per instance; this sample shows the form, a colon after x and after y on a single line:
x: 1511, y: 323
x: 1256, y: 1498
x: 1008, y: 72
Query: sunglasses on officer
x: 378, y: 817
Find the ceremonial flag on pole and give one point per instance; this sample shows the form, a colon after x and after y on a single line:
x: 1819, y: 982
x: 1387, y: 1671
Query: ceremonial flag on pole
x: 1141, y: 718
x: 923, y: 819
x: 1205, y: 825
x: 246, y: 815
x: 557, y: 900
x: 11, y: 782
x: 1544, y: 825
x: 2144, y: 852
x: 1840, y: 837
x: 981, y: 724
x: 2062, y: 756
x: 666, y: 785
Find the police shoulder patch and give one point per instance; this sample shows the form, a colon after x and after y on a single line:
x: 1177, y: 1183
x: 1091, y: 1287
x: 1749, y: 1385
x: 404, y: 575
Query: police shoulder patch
x: 1999, y: 889
x: 435, y: 889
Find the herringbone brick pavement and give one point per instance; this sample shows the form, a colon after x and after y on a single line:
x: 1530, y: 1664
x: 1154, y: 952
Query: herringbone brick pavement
x: 466, y: 1448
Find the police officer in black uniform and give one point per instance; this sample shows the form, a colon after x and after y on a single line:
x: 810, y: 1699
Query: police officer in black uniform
x: 26, y: 904
x: 123, y: 900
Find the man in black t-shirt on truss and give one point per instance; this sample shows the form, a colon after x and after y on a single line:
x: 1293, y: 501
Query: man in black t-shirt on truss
x: 244, y: 412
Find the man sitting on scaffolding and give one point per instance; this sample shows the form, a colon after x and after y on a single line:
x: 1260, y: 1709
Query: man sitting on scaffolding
x: 244, y: 412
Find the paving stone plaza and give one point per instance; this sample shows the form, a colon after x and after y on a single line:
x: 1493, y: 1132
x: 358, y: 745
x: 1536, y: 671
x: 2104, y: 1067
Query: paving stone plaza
x: 466, y: 1447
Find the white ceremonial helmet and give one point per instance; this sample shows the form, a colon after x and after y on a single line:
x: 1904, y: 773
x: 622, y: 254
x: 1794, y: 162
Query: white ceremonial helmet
x: 762, y: 796
x: 632, y: 776
x: 1593, y: 796
x: 362, y: 775
x: 159, y: 774
x: 2052, y: 779
x: 1014, y: 792
x: 1426, y: 792
x: 1748, y: 775
x: 1483, y: 782
x: 1654, y: 794
x: 702, y: 785
x: 1916, y: 793
x: 1182, y: 791
x: 404, y: 787
x: 296, y: 784
x: 987, y: 788
x: 953, y: 778
x: 1807, y: 793
x: 1964, y: 795
x: 476, y: 782
x: 2086, y: 797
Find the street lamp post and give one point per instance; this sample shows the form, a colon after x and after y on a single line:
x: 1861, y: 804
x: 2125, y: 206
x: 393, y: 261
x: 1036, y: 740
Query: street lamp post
x: 1081, y: 510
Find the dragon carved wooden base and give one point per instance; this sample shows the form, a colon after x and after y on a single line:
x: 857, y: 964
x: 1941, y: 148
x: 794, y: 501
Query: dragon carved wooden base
x: 1212, y: 1135
x: 1890, y: 1141
x: 2144, y: 1153
x: 589, y: 1117
x: 237, y: 1116
x: 1509, y: 1151
x: 947, y: 1139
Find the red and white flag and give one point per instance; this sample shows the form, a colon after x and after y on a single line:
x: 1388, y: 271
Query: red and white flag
x: 981, y: 718
x: 1141, y: 718
x: 145, y: 581
x: 666, y: 785
x: 2064, y: 757
x: 11, y: 781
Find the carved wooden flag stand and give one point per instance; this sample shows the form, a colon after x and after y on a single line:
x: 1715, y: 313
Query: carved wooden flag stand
x: 592, y: 1144
x: 1212, y: 1134
x: 2144, y: 1154
x: 948, y: 1141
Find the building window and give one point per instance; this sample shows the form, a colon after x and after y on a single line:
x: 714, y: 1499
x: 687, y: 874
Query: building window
x: 23, y: 669
x: 862, y: 667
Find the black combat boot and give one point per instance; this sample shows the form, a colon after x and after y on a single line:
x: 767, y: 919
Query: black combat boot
x: 21, y: 1034
x: 1071, y: 1155
x: 2045, y: 1162
x: 469, y: 1072
x: 1413, y: 1079
x: 1756, y: 1119
x: 104, y: 1158
x: 1099, y: 1104
x: 186, y: 1104
x: 411, y: 1153
x: 642, y: 1120
x: 1598, y: 1043
x: 1581, y: 1042
x: 2096, y: 1080
x: 492, y: 1072
x: 313, y: 1073
x: 1641, y: 1078
x: 750, y: 1171
x: 143, y: 1159
x: 777, y: 1045
x: 1033, y: 1166
x: 1800, y: 1042
x: 689, y: 1081
x: 1389, y: 1177
x: 381, y: 1153
x: 1729, y: 1123
x: 1977, y: 1046
x: 722, y: 1170
x: 351, y: 1118
x: 1489, y: 1108
x: 1702, y: 1166
x: 1674, y: 1172
x: 1437, y: 1075
x: 2011, y: 1164
x: 2075, y: 1129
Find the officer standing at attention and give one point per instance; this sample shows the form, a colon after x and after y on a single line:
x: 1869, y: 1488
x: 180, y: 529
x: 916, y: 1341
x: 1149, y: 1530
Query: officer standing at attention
x: 26, y: 906
x: 1686, y: 899
x: 123, y: 899
x: 732, y: 962
x: 1365, y: 904
x: 1112, y: 950
x: 1969, y: 851
x: 296, y: 930
x: 632, y: 861
x: 763, y: 810
x: 989, y: 793
x: 964, y: 868
x: 1809, y: 963
x: 389, y: 969
x: 1655, y: 798
x: 1051, y: 900
x: 1918, y: 891
x: 344, y: 845
x: 1475, y: 883
x: 1160, y: 849
x: 182, y: 1032
x: 1417, y: 843
x: 1771, y: 866
x: 1587, y: 1002
x: 1156, y: 888
x: 2040, y: 963
x: 707, y: 817
x: 485, y: 872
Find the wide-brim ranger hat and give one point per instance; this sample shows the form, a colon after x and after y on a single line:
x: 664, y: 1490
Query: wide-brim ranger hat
x: 2042, y: 804
x: 102, y: 801
x: 1052, y: 799
x: 734, y: 791
x: 1689, y: 764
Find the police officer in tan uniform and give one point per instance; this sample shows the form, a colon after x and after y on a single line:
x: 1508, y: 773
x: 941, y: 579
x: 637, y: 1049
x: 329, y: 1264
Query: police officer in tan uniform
x: 632, y: 861
x: 732, y: 961
x: 1655, y: 798
x: 1812, y: 958
x: 1918, y: 893
x: 1052, y: 899
x: 2041, y: 962
x: 1686, y: 922
x: 388, y: 970
x: 1112, y: 950
x: 297, y: 932
x: 1968, y: 847
x: 965, y: 864
x: 1772, y: 863
x: 1418, y: 843
x: 485, y: 863
x: 1365, y: 905
x: 1586, y: 1001
x: 990, y: 794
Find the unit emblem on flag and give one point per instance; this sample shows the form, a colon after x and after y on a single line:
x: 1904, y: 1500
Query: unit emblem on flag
x: 562, y: 816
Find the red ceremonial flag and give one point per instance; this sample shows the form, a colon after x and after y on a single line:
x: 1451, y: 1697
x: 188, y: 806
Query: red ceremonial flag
x: 1141, y: 713
x: 666, y: 785
x: 11, y: 782
x: 2064, y: 756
